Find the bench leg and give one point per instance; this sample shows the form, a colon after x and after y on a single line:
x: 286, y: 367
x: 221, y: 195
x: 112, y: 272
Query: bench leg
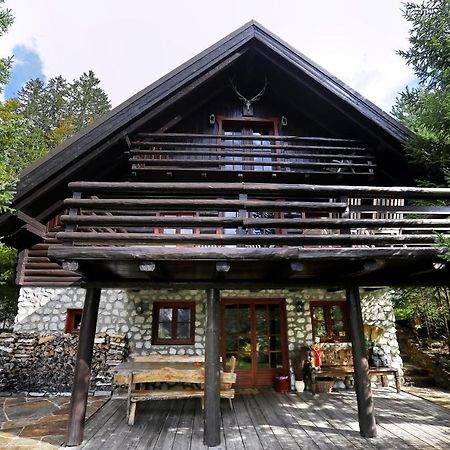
x: 347, y: 382
x: 132, y: 413
x: 313, y: 386
x: 397, y: 382
x: 384, y: 381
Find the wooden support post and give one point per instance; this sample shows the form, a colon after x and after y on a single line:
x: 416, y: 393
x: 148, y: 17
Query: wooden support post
x: 366, y: 414
x: 80, y: 387
x: 212, y: 369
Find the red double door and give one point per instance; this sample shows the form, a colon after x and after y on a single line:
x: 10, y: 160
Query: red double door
x: 254, y: 331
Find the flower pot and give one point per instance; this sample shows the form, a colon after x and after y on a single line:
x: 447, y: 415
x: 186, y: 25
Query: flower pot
x: 299, y: 385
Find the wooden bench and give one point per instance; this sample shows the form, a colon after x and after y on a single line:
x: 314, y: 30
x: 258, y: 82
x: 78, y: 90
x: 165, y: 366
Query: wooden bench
x: 170, y: 370
x: 337, y: 362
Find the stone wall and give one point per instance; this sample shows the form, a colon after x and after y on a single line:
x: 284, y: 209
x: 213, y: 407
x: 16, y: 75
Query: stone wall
x: 44, y: 310
x: 377, y: 310
x: 32, y: 362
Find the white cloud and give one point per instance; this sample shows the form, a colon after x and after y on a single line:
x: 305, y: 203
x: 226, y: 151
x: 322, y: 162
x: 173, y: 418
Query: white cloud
x: 131, y: 44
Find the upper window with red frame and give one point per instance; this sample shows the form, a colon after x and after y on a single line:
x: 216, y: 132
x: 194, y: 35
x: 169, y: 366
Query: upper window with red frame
x: 173, y: 323
x: 258, y: 158
x: 330, y: 321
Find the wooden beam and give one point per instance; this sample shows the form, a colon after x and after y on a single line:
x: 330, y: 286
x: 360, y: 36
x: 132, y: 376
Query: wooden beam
x: 366, y: 415
x: 197, y: 204
x: 139, y: 253
x: 225, y: 136
x: 274, y: 161
x: 212, y: 369
x: 246, y: 239
x: 263, y: 188
x: 153, y: 220
x: 80, y: 387
x: 251, y: 155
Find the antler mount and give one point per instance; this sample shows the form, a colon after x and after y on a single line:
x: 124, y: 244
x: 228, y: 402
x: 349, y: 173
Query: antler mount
x: 248, y: 103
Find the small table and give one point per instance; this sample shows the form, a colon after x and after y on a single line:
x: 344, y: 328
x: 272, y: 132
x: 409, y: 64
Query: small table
x: 348, y: 371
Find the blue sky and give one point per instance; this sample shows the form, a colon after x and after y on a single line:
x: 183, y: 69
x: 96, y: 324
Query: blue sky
x: 130, y: 46
x: 27, y: 65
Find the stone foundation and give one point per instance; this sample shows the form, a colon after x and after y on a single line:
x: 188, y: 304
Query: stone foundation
x: 44, y: 310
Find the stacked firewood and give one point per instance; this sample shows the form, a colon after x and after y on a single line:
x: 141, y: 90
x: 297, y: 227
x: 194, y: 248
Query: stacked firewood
x: 30, y: 362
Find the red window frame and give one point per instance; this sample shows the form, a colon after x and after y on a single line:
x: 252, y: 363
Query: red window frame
x: 73, y: 320
x: 327, y: 305
x: 173, y: 340
x: 247, y: 123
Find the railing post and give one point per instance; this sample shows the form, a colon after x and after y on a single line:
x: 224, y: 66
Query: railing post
x: 212, y: 369
x: 80, y: 387
x: 366, y: 414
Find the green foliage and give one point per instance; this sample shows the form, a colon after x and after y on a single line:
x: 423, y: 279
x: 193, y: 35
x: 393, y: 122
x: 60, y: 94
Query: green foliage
x: 426, y: 309
x: 20, y: 144
x: 8, y: 289
x: 6, y: 19
x: 59, y: 108
x: 42, y: 117
x: 426, y: 108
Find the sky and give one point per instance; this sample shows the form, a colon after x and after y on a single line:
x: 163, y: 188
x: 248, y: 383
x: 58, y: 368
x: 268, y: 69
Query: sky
x: 131, y: 44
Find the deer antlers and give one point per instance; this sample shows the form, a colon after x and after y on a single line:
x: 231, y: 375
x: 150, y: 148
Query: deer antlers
x: 248, y: 102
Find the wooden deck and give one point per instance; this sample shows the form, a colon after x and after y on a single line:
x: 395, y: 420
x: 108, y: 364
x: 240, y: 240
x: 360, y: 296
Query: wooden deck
x: 267, y: 420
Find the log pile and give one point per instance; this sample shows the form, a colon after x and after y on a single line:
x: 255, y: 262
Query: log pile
x: 30, y: 362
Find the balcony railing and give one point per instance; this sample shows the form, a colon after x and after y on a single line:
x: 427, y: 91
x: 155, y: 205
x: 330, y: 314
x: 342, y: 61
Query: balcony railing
x: 253, y: 215
x: 211, y: 152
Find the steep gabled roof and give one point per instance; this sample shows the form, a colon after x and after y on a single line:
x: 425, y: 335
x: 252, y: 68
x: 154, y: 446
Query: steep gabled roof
x: 114, y: 122
x: 56, y: 168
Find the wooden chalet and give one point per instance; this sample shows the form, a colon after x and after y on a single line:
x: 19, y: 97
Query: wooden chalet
x: 247, y: 167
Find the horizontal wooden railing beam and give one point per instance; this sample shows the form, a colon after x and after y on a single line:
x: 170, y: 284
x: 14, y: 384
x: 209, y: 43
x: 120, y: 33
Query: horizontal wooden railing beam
x: 269, y: 239
x: 245, y: 146
x: 261, y: 189
x: 145, y: 253
x: 198, y: 204
x: 196, y: 163
x: 243, y: 137
x: 154, y: 221
x: 283, y: 155
x: 246, y: 169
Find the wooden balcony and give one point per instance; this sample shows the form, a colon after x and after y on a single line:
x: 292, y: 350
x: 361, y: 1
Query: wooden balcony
x: 252, y: 156
x: 265, y: 233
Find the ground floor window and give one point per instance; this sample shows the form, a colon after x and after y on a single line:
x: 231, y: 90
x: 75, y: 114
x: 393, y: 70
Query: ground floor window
x: 330, y: 321
x: 73, y: 321
x: 173, y: 323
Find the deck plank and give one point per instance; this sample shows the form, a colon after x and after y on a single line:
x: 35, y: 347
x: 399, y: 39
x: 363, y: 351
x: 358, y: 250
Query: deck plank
x: 327, y: 409
x: 167, y: 434
x: 269, y: 420
x: 183, y: 435
x: 155, y: 423
x: 306, y: 418
x: 249, y: 435
x: 297, y: 432
x: 385, y: 438
x: 233, y: 437
x: 428, y: 432
x: 197, y: 432
x: 263, y: 429
x: 273, y: 417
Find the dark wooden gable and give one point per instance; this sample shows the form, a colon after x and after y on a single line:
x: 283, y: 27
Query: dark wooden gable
x: 304, y: 92
x: 186, y: 164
